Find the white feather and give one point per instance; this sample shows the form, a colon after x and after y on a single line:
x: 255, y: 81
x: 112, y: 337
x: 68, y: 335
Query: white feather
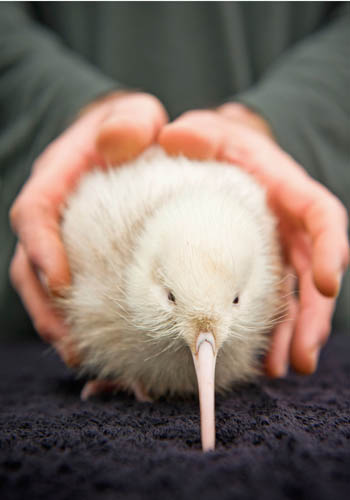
x: 200, y: 229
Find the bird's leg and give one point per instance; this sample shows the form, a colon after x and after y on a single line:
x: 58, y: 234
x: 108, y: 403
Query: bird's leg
x: 140, y: 392
x: 95, y: 387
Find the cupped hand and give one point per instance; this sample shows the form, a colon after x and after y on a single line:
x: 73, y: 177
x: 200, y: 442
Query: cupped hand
x: 111, y: 130
x: 312, y: 222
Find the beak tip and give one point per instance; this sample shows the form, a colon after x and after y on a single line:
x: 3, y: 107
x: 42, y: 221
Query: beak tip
x: 208, y: 446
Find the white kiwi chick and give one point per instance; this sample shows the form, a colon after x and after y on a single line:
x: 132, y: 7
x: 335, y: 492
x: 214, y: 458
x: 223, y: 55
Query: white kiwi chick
x: 177, y: 278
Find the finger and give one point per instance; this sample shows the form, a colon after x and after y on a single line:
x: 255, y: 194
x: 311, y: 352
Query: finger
x: 313, y: 323
x: 36, y: 214
x: 45, y: 317
x: 325, y: 221
x: 196, y: 134
x: 277, y: 359
x: 296, y: 196
x: 300, y: 198
x: 205, y: 134
x: 39, y: 233
x: 131, y: 126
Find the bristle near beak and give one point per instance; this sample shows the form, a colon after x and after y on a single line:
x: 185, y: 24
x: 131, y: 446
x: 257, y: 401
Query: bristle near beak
x: 204, y: 362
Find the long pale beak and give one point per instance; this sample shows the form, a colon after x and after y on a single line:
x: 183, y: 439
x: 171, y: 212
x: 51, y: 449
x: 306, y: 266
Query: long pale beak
x: 204, y: 362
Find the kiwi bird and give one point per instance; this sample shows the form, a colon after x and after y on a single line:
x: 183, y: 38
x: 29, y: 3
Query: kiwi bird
x: 176, y: 278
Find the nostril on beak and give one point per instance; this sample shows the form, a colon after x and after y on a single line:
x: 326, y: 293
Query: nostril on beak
x: 205, y: 337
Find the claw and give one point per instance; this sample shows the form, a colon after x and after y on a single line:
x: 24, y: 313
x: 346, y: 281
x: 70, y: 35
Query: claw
x: 95, y: 387
x: 140, y: 393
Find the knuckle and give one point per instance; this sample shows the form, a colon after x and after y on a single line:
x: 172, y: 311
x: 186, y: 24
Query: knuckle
x: 336, y: 207
x: 147, y: 101
x: 342, y: 214
x: 14, y: 272
x: 21, y: 211
x: 152, y: 100
x: 15, y: 213
x: 29, y: 206
x: 38, y: 163
x: 33, y: 254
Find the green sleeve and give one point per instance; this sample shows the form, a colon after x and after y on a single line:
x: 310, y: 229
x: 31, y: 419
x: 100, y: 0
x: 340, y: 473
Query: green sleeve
x: 305, y: 96
x: 42, y: 85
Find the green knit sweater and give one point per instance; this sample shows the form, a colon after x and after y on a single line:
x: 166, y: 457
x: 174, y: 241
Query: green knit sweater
x: 287, y: 60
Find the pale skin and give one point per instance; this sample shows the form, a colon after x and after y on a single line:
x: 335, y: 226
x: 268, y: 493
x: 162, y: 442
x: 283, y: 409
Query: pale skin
x: 313, y: 222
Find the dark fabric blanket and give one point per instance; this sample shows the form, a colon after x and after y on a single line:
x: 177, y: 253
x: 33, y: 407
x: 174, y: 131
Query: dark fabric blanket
x: 276, y: 439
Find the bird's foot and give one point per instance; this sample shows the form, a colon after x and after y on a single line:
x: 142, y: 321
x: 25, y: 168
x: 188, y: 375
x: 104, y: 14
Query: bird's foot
x: 95, y: 387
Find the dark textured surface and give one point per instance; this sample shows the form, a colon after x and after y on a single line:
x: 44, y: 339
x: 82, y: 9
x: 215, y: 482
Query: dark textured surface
x: 284, y: 439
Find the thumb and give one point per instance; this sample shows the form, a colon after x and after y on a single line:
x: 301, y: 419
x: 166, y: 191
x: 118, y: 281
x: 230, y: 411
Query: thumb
x: 132, y: 124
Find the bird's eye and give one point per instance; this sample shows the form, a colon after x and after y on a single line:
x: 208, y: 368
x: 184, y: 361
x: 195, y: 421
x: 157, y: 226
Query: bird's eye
x: 235, y: 300
x: 171, y: 297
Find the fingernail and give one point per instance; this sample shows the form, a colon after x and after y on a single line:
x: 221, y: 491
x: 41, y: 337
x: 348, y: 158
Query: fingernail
x: 277, y: 371
x: 43, y: 279
x: 314, y: 355
x: 282, y: 372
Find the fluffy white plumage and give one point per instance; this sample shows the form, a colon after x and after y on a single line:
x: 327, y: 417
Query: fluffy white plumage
x: 161, y: 250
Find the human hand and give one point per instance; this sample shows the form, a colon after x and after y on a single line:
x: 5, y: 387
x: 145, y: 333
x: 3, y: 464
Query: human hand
x: 312, y: 222
x: 111, y: 130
